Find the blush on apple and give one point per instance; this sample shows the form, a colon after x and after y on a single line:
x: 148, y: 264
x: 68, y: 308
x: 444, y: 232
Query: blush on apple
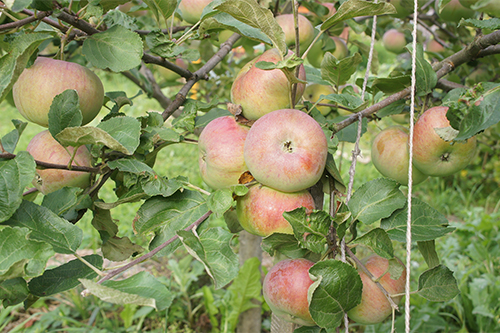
x: 394, y: 41
x: 37, y: 86
x: 286, y: 150
x: 43, y: 147
x: 285, y: 290
x: 434, y: 156
x: 260, y: 211
x: 220, y: 157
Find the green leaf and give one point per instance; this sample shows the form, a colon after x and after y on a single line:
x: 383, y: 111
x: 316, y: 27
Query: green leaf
x: 313, y: 75
x: 437, y: 284
x: 346, y: 100
x: 13, y: 291
x: 16, y: 58
x: 64, y: 277
x: 125, y: 130
x: 9, y: 141
x: 354, y: 8
x: 310, y: 329
x: 67, y: 202
x: 251, y: 13
x: 117, y: 48
x: 391, y: 85
x: 376, y: 199
x: 339, y: 72
x: 220, y: 201
x: 378, y: 241
x: 310, y: 230
x: 285, y: 244
x: 338, y: 291
x: 47, y: 227
x: 64, y: 112
x: 131, y: 165
x: 115, y: 296
x: 20, y: 256
x: 428, y: 251
x: 103, y: 222
x: 245, y: 288
x: 212, y: 249
x: 15, y: 175
x: 333, y: 171
x: 426, y: 223
x: 117, y: 17
x: 426, y: 77
x: 119, y: 248
x: 162, y: 8
x: 350, y: 133
x: 492, y: 23
x: 145, y: 285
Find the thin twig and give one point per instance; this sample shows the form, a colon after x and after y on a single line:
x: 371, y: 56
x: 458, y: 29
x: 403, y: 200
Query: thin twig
x: 46, y: 165
x: 25, y: 21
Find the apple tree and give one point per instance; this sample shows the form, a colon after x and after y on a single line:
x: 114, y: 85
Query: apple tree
x: 268, y: 91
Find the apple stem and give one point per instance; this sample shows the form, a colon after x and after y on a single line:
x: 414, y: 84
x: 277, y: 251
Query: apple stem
x: 370, y: 275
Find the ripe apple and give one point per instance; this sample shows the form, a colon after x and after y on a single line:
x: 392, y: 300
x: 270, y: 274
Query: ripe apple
x: 390, y: 155
x: 312, y: 94
x: 394, y: 41
x: 374, y: 306
x: 261, y: 91
x: 191, y: 10
x: 260, y: 211
x: 37, y: 86
x: 285, y: 290
x: 43, y: 147
x: 286, y: 150
x: 220, y: 152
x: 453, y: 11
x: 432, y: 155
x: 316, y: 53
x: 306, y: 30
x: 433, y: 46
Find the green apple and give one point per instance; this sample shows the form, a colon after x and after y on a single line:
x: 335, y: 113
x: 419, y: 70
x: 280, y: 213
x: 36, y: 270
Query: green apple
x: 285, y: 289
x: 261, y: 91
x: 394, y: 41
x: 191, y: 10
x: 390, y: 155
x: 286, y: 150
x: 220, y: 152
x: 312, y: 94
x: 43, y: 147
x: 374, y: 307
x: 434, y: 156
x: 306, y: 30
x: 317, y: 51
x: 453, y: 11
x: 260, y: 211
x: 37, y: 86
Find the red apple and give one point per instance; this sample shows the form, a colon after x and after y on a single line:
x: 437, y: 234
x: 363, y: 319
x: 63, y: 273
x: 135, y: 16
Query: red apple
x: 191, y: 10
x: 285, y: 290
x: 316, y: 53
x: 432, y: 155
x: 306, y: 30
x: 262, y: 91
x: 43, y: 147
x: 260, y: 211
x: 390, y: 155
x: 37, y: 86
x: 394, y: 41
x: 374, y: 306
x: 220, y: 157
x: 286, y: 150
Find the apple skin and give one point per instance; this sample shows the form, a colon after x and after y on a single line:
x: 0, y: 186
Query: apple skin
x: 306, y: 30
x: 43, y: 147
x: 454, y: 11
x: 37, y: 86
x: 191, y: 10
x: 374, y: 307
x: 390, y: 155
x: 394, y: 41
x: 286, y: 150
x: 312, y: 94
x: 432, y: 155
x: 285, y: 290
x: 220, y: 152
x: 433, y: 46
x: 260, y: 211
x: 261, y: 91
x: 316, y: 54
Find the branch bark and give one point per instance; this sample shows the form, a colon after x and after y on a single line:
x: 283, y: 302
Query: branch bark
x: 46, y: 165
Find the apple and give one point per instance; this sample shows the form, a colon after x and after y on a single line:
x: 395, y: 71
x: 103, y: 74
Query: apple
x: 404, y: 7
x: 312, y: 94
x: 285, y: 290
x: 453, y: 11
x: 170, y: 75
x: 433, y: 46
x: 220, y: 152
x: 316, y: 53
x: 260, y: 211
x: 390, y: 155
x: 191, y: 10
x: 286, y: 150
x: 37, y: 86
x: 434, y: 156
x: 261, y: 91
x: 43, y: 147
x: 394, y: 41
x: 374, y: 306
x: 306, y: 30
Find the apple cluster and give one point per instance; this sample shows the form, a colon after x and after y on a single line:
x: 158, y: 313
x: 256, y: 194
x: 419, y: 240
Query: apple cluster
x: 33, y: 93
x: 432, y: 155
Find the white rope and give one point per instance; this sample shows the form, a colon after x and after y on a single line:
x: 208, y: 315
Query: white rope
x: 410, y: 167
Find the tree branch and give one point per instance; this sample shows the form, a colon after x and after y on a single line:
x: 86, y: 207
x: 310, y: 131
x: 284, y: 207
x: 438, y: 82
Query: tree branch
x: 46, y: 165
x: 24, y: 21
x: 157, y: 93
